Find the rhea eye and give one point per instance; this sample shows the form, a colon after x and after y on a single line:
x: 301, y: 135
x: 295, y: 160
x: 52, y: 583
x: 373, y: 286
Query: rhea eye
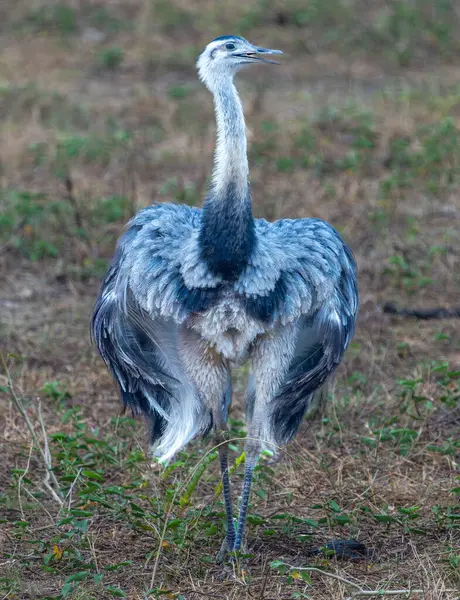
x: 230, y: 46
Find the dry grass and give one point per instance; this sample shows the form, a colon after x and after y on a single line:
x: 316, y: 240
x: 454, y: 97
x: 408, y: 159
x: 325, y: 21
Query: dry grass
x: 367, y: 140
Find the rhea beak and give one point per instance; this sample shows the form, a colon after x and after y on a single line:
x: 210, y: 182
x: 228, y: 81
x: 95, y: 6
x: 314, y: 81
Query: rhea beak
x: 258, y: 55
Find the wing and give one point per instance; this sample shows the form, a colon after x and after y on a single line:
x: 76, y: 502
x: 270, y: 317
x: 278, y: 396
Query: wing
x: 295, y: 269
x: 162, y: 264
x: 136, y: 321
x: 311, y: 280
x: 321, y: 344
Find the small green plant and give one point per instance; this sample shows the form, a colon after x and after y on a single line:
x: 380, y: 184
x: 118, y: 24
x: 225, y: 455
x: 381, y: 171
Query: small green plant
x: 338, y: 139
x: 38, y: 227
x: 432, y: 157
x: 90, y: 148
x: 22, y: 219
x: 110, y: 59
x: 285, y: 164
x: 408, y: 278
x: 56, y: 391
x: 51, y: 109
x: 111, y: 210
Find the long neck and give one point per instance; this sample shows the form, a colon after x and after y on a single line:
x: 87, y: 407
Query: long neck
x: 230, y: 158
x: 227, y: 235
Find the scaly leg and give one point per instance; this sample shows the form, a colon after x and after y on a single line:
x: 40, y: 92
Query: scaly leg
x: 221, y: 440
x: 252, y: 455
x: 223, y: 456
x: 229, y: 541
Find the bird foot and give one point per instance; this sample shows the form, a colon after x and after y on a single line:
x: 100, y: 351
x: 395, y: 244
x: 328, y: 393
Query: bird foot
x: 233, y: 565
x: 224, y: 552
x: 233, y: 556
x: 227, y: 546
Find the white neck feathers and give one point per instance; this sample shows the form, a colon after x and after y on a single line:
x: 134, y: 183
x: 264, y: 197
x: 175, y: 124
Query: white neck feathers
x: 230, y: 158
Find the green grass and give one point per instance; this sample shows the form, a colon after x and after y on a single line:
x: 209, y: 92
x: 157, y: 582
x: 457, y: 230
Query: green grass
x: 63, y: 20
x: 110, y: 59
x: 52, y: 109
x: 58, y: 19
x: 37, y: 227
x: 404, y: 33
x: 107, y: 481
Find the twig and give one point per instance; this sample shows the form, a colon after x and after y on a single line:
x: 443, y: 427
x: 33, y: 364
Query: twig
x: 47, y: 454
x: 73, y: 202
x: 45, y: 437
x: 359, y: 589
x: 409, y: 592
x: 431, y: 313
x: 56, y: 494
x: 93, y: 552
x: 326, y: 574
x: 264, y: 584
x: 206, y: 594
x: 72, y: 485
x: 26, y: 470
x: 384, y: 593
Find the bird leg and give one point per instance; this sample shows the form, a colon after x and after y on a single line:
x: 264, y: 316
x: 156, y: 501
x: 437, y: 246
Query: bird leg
x: 223, y: 457
x: 211, y: 376
x: 270, y: 360
x: 252, y: 455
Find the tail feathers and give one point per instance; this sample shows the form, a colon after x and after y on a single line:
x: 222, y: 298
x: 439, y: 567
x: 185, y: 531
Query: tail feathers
x: 138, y: 402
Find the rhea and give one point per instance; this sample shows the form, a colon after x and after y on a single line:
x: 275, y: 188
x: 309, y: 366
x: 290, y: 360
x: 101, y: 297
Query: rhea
x: 192, y: 292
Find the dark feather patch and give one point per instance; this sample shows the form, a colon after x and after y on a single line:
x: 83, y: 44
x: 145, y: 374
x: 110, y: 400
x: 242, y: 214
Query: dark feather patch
x: 287, y: 419
x: 196, y: 299
x: 209, y: 426
x: 267, y: 308
x: 227, y: 236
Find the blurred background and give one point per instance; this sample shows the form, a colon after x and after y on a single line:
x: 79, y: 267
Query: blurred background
x: 102, y: 114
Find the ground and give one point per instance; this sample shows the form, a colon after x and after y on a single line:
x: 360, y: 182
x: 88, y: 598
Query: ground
x: 101, y: 114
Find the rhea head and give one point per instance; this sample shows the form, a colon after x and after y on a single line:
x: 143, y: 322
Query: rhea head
x: 226, y: 55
